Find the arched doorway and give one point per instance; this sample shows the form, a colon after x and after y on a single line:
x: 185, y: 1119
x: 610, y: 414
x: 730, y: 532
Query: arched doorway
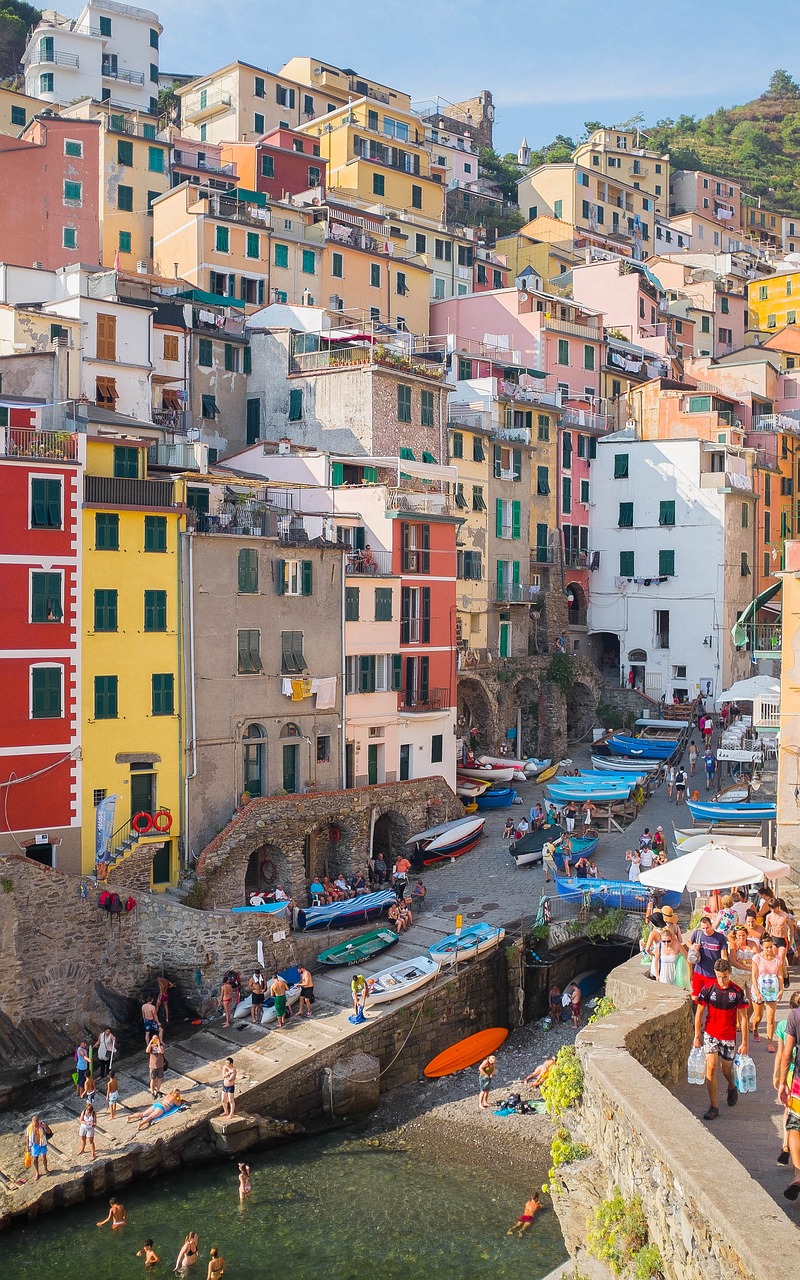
x: 581, y: 711
x: 267, y: 867
x: 576, y: 605
x: 254, y: 760
x: 637, y: 659
x: 476, y: 715
x: 291, y: 739
x: 606, y: 655
x: 389, y: 835
x: 526, y: 696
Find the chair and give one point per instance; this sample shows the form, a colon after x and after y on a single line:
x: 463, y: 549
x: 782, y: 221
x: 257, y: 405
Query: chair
x: 317, y: 892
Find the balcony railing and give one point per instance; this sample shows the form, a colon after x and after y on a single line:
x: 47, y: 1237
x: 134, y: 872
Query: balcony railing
x: 542, y: 555
x: 776, y: 422
x: 122, y: 73
x: 198, y: 105
x: 172, y: 419
x: 572, y: 330
x: 574, y: 559
x: 512, y: 593
x: 407, y: 500
x: 764, y: 638
x: 43, y: 58
x: 28, y: 442
x: 424, y: 700
x: 116, y: 491
x: 378, y: 564
x: 182, y: 456
x: 577, y: 617
x: 584, y: 418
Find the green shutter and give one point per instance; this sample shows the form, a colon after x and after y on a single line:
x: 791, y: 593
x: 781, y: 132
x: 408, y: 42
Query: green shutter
x: 39, y: 597
x: 500, y: 579
x: 515, y: 575
x: 383, y: 604
x: 296, y: 405
x: 592, y: 447
x: 337, y: 474
x: 248, y: 571
x: 307, y: 572
x: 497, y: 460
x: 280, y: 576
x: 666, y: 564
x: 367, y: 665
x: 517, y: 463
x: 397, y: 670
x: 666, y: 513
x: 369, y: 475
x: 498, y: 517
x: 516, y: 519
x: 620, y: 466
x: 247, y: 360
x: 626, y: 564
x: 425, y: 630
x: 228, y: 358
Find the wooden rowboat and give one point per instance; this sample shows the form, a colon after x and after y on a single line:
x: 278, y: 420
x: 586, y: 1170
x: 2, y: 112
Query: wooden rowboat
x: 360, y: 949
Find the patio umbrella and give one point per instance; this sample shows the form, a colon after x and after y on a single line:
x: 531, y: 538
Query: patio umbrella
x: 710, y: 867
x: 766, y: 688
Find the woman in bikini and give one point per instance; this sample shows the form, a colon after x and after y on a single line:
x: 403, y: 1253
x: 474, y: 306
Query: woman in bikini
x: 86, y: 1127
x: 190, y: 1252
x: 767, y: 988
x: 216, y: 1265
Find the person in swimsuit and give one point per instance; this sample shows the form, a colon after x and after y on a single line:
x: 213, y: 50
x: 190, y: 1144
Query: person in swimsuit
x: 116, y: 1215
x: 164, y: 988
x: 150, y: 1019
x: 278, y: 990
x: 527, y: 1216
x: 228, y: 1087
x: 245, y: 1186
x: 36, y: 1139
x: 767, y: 988
x: 307, y: 996
x: 157, y: 1110
x: 89, y: 1089
x: 155, y: 1056
x: 190, y: 1252
x: 216, y: 1265
x: 86, y: 1127
x: 258, y: 989
x: 539, y: 1074
x: 225, y: 1000
x: 112, y: 1095
x: 485, y: 1076
x: 149, y: 1254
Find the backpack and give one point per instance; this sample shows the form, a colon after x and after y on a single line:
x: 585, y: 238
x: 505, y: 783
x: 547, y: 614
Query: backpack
x: 103, y: 900
x: 114, y: 906
x: 130, y: 904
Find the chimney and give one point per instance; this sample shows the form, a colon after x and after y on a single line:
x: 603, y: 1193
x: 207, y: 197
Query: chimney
x: 284, y: 445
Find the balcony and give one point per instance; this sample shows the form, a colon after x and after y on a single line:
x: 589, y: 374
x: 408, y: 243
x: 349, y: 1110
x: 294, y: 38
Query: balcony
x: 575, y: 559
x: 44, y: 446
x: 172, y: 419
x: 180, y: 456
x: 377, y: 565
x: 236, y: 211
x: 583, y: 418
x: 764, y: 639
x: 424, y: 700
x: 53, y: 57
x: 435, y: 504
x: 206, y: 103
x: 512, y: 593
x: 111, y: 72
x: 115, y: 491
x: 542, y: 555
x: 577, y: 617
x: 776, y: 422
x: 367, y: 91
x: 586, y: 331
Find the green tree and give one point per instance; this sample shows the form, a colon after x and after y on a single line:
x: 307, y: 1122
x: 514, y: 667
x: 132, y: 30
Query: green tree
x: 505, y: 170
x: 790, y: 132
x: 782, y: 85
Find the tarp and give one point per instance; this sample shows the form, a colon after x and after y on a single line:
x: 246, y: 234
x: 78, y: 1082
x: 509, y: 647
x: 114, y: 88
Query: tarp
x: 738, y: 632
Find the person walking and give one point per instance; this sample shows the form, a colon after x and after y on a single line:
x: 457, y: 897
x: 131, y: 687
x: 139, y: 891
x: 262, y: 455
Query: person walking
x: 569, y: 817
x: 155, y: 1055
x: 162, y: 1001
x: 706, y: 947
x: 400, y: 879
x: 767, y: 988
x: 307, y: 996
x: 710, y: 765
x: 106, y: 1046
x: 787, y: 1079
x: 720, y: 1006
x: 548, y: 860
x: 692, y: 758
x: 485, y: 1076
x: 36, y: 1139
x: 150, y: 1020
x: 669, y: 778
x: 228, y: 1087
x: 680, y: 785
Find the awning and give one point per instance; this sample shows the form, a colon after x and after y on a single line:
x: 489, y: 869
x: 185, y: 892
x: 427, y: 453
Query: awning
x: 212, y: 299
x: 738, y: 632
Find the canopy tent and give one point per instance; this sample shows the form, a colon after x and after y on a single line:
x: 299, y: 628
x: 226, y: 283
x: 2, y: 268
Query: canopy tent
x: 710, y: 867
x: 757, y: 689
x: 748, y: 615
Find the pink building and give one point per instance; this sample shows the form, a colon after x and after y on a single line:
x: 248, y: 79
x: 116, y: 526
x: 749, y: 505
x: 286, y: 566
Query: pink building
x: 53, y: 167
x: 692, y: 191
x: 630, y: 297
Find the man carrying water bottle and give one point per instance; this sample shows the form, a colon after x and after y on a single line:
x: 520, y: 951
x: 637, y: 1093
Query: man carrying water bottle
x: 722, y: 1004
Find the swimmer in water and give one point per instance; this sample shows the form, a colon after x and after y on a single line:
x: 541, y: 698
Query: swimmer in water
x: 245, y: 1186
x: 149, y: 1254
x: 116, y: 1215
x: 526, y: 1217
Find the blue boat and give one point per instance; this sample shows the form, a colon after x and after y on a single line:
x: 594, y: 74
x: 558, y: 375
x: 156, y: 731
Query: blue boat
x: 598, y: 795
x: 266, y: 908
x: 649, y: 748
x: 608, y: 775
x: 708, y: 811
x: 340, y: 915
x: 627, y: 894
x: 472, y: 941
x: 496, y: 798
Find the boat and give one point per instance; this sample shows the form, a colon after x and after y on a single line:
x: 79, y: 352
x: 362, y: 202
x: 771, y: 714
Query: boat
x: 292, y: 977
x: 703, y: 811
x: 618, y: 764
x: 627, y: 894
x: 649, y: 729
x: 266, y: 908
x: 721, y: 832
x: 534, y: 767
x: 548, y: 773
x: 527, y: 855
x: 496, y: 798
x: 600, y: 775
x: 470, y: 788
x: 486, y: 773
x: 604, y: 782
x: 502, y: 762
x: 736, y: 843
x: 342, y: 915
x: 359, y: 950
x: 651, y: 748
x: 600, y: 795
x: 465, y: 1053
x: 448, y: 840
x: 472, y: 941
x: 737, y: 794
x: 401, y: 979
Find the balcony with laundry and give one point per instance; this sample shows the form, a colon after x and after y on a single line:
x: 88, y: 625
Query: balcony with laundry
x: 368, y: 346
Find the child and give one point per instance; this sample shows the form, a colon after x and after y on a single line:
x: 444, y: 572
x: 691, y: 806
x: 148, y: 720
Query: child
x: 148, y: 1252
x: 245, y: 1186
x: 112, y: 1094
x: 88, y: 1091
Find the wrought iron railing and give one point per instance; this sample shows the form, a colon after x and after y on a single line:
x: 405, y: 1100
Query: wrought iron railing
x: 424, y: 700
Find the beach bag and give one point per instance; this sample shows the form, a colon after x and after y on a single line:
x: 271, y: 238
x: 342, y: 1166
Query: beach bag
x: 682, y: 975
x: 27, y: 1159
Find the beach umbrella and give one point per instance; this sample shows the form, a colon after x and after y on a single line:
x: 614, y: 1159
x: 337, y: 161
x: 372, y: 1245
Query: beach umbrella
x: 763, y: 688
x: 710, y: 867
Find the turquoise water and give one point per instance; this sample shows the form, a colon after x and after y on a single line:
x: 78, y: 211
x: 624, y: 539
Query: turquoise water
x: 327, y: 1208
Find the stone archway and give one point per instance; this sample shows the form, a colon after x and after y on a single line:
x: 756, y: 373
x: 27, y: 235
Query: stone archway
x: 266, y: 868
x: 477, y: 715
x: 606, y: 654
x: 581, y: 711
x: 526, y: 700
x: 576, y: 605
x: 389, y: 835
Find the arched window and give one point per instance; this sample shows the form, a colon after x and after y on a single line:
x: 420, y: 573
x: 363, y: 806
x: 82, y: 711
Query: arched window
x: 637, y: 655
x: 254, y: 771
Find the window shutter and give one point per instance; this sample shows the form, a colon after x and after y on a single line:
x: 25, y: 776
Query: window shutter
x: 337, y: 474
x: 592, y: 447
x: 280, y: 576
x: 497, y: 455
x: 39, y: 597
x: 405, y: 611
x: 459, y: 564
x: 228, y: 358
x: 426, y: 548
x: 498, y: 517
x: 516, y: 519
x: 307, y: 577
x: 500, y: 579
x: 397, y: 670
x: 426, y: 615
x: 369, y: 475
x: 424, y: 677
x: 515, y: 574
x: 517, y: 463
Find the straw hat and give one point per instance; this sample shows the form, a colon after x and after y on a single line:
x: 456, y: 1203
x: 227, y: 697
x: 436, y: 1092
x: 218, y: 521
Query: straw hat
x: 669, y: 915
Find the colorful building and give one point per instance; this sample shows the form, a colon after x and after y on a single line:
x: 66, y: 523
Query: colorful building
x: 16, y: 111
x: 618, y: 154
x: 772, y: 301
x: 284, y: 163
x: 694, y: 191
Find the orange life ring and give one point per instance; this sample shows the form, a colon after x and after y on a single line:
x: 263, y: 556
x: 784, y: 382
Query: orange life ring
x: 148, y: 823
x: 167, y: 824
x: 334, y: 835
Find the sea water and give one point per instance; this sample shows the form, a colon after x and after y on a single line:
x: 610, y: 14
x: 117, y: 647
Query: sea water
x: 330, y: 1208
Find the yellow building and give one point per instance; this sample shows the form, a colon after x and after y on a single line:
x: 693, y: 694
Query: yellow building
x: 241, y: 102
x: 360, y: 276
x: 618, y: 155
x: 378, y: 153
x: 134, y: 171
x: 337, y: 84
x: 17, y: 110
x: 774, y: 302
x: 591, y: 202
x: 545, y: 245
x: 131, y: 652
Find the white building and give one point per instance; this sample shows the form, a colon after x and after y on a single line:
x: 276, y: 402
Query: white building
x: 108, y: 53
x: 672, y: 532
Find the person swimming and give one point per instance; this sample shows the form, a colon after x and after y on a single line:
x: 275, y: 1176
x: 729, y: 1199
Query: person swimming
x: 245, y: 1185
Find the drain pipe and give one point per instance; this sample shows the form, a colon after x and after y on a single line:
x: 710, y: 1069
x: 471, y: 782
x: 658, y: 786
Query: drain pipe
x: 193, y: 740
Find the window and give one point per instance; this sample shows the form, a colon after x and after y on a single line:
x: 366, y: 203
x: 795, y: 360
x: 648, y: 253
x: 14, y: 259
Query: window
x: 378, y: 184
x: 46, y: 85
x: 416, y: 543
x: 383, y: 604
x: 337, y: 266
x: 566, y: 450
x: 295, y: 404
x: 124, y: 242
x: 724, y: 307
x: 469, y: 565
x: 208, y: 407
x: 745, y: 565
x: 46, y: 695
x: 626, y: 564
x: 566, y: 495
x: 771, y: 322
x: 563, y: 351
x: 155, y: 160
x: 71, y: 148
x: 124, y: 152
x: 106, y: 531
x: 400, y: 284
x: 351, y: 604
x: 45, y: 504
x: 588, y: 357
x: 705, y: 324
x: 294, y: 577
x: 105, y: 697
x: 231, y: 357
x: 106, y: 392
x: 542, y: 480
x: 283, y: 96
x: 205, y: 355
x: 171, y: 346
x: 203, y: 129
x: 222, y: 241
x: 106, y: 344
x: 292, y: 659
x: 584, y: 491
x: 621, y: 466
x: 105, y: 610
x: 666, y: 512
x: 437, y: 748
x: 403, y: 402
x: 126, y: 462
x: 248, y: 571
x: 457, y: 444
x: 323, y: 740
x: 249, y: 652
x: 153, y: 39
x: 253, y: 244
x: 416, y: 196
x: 155, y: 533
x: 478, y: 503
x: 155, y: 610
x: 666, y: 564
x: 258, y: 122
x: 558, y: 206
x: 745, y: 515
x: 508, y: 516
x: 543, y: 427
x: 125, y: 199
x: 46, y: 591
x: 267, y: 166
x: 762, y: 293
x: 163, y: 694
x: 309, y: 262
x: 478, y: 454
x: 625, y: 520
x: 427, y: 409
x: 105, y: 26
x: 69, y: 238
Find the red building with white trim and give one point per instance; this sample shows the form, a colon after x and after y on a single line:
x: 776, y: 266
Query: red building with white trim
x: 40, y: 500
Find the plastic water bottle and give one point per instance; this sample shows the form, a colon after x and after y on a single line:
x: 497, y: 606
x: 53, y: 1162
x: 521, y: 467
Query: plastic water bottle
x: 696, y: 1067
x: 749, y: 1074
x: 740, y: 1073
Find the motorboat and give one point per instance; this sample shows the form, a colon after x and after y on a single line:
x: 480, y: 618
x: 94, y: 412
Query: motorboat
x: 528, y: 851
x: 496, y: 798
x: 618, y: 764
x: 669, y: 729
x: 600, y: 782
x: 627, y: 894
x: 599, y: 795
x: 475, y: 940
x: 470, y: 788
x: 448, y: 840
x: 721, y: 832
x: 400, y: 980
x: 487, y: 772
x: 352, y: 911
x: 713, y: 812
x: 603, y: 775
x: 736, y: 843
x: 359, y: 950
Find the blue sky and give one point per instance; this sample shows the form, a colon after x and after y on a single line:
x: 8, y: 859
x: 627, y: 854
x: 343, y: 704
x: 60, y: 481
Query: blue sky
x: 550, y: 64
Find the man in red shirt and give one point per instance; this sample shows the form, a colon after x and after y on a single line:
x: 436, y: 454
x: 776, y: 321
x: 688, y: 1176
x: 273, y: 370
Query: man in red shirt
x: 723, y: 1004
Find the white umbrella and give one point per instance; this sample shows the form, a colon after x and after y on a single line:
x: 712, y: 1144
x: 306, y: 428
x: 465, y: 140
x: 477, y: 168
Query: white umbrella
x: 770, y: 868
x: 710, y: 867
x: 765, y: 688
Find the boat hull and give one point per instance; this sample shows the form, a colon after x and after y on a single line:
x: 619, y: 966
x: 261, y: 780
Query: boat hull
x: 343, y: 915
x: 400, y: 980
x: 628, y: 895
x: 502, y: 798
x: 466, y: 1053
x: 359, y: 950
x: 582, y: 847
x: 437, y: 851
x: 714, y: 813
x: 618, y: 764
x: 474, y: 941
x: 651, y: 748
x: 604, y: 795
x: 487, y: 774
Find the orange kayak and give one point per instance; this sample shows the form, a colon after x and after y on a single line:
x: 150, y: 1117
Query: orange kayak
x: 465, y: 1053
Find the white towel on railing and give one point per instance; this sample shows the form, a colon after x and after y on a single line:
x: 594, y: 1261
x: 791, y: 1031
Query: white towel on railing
x: 326, y: 693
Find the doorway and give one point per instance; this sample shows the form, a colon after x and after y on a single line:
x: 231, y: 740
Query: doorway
x: 405, y: 761
x: 162, y: 863
x: 349, y: 765
x: 372, y: 763
x: 143, y: 793
x: 43, y: 853
x: 290, y: 767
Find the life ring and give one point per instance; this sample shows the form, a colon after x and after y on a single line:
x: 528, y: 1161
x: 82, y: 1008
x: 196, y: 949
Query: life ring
x: 167, y: 821
x: 144, y: 818
x: 334, y: 835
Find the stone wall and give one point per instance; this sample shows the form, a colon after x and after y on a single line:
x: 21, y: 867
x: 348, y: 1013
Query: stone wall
x: 285, y: 823
x: 705, y: 1213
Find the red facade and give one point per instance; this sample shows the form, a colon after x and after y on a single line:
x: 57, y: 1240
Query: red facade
x: 39, y: 623
x: 424, y: 557
x: 286, y: 164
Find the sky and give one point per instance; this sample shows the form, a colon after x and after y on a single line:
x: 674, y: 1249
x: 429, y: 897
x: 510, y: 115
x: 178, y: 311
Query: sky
x: 550, y: 64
